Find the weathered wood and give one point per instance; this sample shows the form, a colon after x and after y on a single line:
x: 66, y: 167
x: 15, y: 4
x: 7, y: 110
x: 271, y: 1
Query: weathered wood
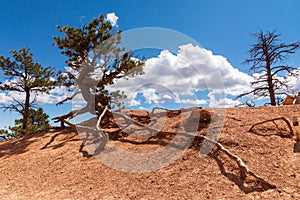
x: 273, y: 120
x: 244, y: 170
x: 68, y: 98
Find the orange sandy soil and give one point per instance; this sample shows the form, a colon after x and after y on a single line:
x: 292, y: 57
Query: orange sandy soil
x: 61, y: 171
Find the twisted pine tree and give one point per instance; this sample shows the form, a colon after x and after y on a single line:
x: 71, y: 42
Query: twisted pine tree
x: 96, y: 60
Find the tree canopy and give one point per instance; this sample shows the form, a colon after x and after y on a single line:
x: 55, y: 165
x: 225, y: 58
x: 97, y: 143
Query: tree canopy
x: 96, y: 60
x: 25, y: 76
x: 37, y: 121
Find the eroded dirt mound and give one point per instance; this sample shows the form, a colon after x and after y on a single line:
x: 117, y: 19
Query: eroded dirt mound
x: 53, y: 165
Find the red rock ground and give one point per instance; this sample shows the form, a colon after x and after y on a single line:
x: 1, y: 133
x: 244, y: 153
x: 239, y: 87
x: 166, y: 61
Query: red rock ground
x: 61, y: 171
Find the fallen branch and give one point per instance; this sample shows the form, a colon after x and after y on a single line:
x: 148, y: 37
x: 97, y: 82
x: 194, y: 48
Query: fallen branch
x: 273, y: 120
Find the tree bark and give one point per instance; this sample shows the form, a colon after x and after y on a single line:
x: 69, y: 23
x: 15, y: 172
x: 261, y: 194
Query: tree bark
x: 270, y: 79
x: 26, y: 110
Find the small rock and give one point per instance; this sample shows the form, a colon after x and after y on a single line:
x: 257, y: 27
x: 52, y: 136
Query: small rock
x: 293, y: 175
x: 279, y: 191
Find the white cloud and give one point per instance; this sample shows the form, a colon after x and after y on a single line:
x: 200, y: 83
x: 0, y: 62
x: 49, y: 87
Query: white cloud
x: 112, y: 18
x: 55, y: 95
x: 168, y: 77
x: 4, y: 98
x: 192, y: 69
x: 294, y: 82
x: 134, y: 102
x: 151, y: 95
x: 222, y: 102
x: 167, y: 97
x: 192, y: 101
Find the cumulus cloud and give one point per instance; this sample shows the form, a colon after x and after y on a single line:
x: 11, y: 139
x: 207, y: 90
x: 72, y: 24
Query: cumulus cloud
x: 191, y: 69
x: 4, y: 98
x: 294, y: 82
x: 112, y: 18
x: 151, y: 95
x: 134, y: 102
x: 192, y: 101
x: 55, y: 95
x: 222, y: 102
x: 172, y: 77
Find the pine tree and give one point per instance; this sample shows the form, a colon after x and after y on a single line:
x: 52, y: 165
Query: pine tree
x: 96, y: 60
x: 37, y: 121
x: 25, y: 76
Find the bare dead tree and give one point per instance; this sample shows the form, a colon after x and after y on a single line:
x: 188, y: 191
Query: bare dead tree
x: 266, y: 57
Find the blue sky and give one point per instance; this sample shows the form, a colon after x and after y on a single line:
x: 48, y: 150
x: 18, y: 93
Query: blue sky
x: 222, y: 27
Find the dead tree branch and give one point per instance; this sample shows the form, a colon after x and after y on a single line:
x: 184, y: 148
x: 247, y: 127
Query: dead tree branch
x: 273, y: 120
x: 68, y: 98
x: 244, y: 170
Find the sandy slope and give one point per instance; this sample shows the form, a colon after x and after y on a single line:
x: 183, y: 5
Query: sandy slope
x: 60, y: 171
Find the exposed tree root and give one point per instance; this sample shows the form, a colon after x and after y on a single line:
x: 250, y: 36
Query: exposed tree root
x: 244, y: 170
x: 157, y: 108
x: 65, y: 118
x: 273, y: 120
